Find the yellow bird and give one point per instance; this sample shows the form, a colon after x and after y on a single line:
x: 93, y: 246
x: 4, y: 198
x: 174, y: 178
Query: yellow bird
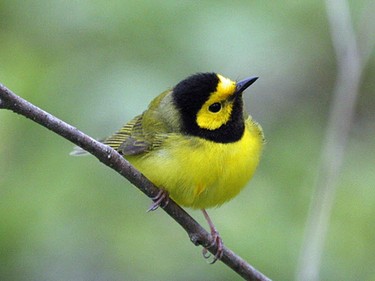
x: 196, y: 142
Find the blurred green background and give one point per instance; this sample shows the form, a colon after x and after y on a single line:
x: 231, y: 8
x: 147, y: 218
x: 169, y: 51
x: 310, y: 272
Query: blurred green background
x: 96, y: 64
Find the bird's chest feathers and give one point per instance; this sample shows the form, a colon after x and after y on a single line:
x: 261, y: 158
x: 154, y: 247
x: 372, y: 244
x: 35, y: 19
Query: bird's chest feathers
x: 200, y: 173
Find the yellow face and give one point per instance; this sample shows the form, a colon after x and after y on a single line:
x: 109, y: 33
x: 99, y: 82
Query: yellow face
x: 217, y: 110
x: 211, y: 107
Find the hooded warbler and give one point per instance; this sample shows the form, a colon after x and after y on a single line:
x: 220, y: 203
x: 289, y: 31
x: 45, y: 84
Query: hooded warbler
x: 196, y: 142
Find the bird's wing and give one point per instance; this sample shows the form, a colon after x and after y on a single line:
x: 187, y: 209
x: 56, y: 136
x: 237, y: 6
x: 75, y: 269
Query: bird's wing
x: 131, y: 139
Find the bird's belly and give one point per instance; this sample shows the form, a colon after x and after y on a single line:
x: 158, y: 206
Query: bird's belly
x: 199, y: 173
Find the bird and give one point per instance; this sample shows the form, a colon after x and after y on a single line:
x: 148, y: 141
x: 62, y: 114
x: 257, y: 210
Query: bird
x: 196, y: 142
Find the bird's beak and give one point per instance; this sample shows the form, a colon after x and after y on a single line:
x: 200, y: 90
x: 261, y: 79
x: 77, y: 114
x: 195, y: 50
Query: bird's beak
x: 242, y: 85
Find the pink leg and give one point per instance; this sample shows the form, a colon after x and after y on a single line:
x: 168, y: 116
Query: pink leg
x: 216, y: 240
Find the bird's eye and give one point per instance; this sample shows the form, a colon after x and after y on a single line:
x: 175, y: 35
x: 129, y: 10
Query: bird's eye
x: 215, y: 107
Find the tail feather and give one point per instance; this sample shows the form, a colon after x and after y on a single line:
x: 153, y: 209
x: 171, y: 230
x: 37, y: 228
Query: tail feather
x: 78, y: 151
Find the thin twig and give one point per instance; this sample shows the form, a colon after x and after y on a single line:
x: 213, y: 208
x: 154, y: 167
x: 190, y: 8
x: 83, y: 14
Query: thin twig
x: 198, y: 235
x: 350, y: 68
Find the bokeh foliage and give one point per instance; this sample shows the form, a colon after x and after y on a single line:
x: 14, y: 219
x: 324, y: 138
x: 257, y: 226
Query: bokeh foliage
x: 97, y: 64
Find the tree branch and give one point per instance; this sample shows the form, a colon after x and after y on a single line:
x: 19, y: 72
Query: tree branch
x: 109, y: 157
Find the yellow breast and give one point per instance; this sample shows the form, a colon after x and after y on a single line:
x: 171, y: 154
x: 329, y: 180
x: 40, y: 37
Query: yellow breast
x: 200, y: 174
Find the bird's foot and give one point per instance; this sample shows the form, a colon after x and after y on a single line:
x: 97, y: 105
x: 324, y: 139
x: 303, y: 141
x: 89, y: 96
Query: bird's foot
x: 158, y: 200
x: 216, y: 241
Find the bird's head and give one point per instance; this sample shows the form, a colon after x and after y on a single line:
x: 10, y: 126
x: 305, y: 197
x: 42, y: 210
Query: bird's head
x: 211, y: 106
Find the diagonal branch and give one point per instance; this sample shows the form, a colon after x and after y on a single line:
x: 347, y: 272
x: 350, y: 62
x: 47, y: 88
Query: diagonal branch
x: 109, y: 157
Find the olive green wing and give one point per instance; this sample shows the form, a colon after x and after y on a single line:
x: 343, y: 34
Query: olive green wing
x: 132, y: 139
x: 128, y: 140
x: 146, y: 132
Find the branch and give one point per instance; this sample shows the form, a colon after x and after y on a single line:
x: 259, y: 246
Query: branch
x: 109, y: 157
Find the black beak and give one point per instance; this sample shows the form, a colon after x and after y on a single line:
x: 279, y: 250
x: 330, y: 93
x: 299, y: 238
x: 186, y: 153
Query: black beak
x: 244, y: 84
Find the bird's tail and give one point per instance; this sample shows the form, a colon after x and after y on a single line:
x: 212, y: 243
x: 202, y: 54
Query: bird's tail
x: 78, y: 151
